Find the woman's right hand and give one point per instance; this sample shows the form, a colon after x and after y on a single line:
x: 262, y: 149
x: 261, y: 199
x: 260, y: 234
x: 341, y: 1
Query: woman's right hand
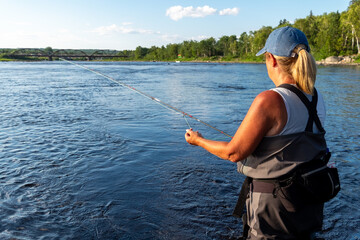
x: 192, y: 137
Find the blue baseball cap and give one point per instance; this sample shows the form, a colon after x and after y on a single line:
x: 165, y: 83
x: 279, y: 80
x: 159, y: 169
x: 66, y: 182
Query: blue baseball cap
x: 282, y: 41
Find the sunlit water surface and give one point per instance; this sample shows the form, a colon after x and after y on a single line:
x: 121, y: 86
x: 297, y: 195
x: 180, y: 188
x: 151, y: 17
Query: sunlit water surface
x: 84, y: 158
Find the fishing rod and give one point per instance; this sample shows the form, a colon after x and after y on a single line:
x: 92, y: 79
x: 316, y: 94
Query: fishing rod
x: 158, y: 101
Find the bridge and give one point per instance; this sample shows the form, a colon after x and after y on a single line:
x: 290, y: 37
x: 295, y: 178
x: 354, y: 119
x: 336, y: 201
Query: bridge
x: 50, y: 54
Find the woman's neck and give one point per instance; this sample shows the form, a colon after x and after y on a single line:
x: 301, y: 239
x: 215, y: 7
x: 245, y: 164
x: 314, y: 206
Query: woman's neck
x: 282, y: 79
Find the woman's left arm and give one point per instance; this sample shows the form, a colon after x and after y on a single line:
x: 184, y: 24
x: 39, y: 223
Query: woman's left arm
x: 265, y: 117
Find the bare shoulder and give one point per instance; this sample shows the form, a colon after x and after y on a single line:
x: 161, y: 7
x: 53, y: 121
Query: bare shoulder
x: 271, y: 106
x: 269, y: 99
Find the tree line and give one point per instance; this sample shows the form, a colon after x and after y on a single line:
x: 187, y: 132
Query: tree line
x: 330, y: 34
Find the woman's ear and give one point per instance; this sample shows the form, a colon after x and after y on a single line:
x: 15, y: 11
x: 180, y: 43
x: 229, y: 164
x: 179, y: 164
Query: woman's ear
x: 272, y: 60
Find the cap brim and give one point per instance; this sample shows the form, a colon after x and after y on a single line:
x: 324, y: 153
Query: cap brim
x: 262, y: 51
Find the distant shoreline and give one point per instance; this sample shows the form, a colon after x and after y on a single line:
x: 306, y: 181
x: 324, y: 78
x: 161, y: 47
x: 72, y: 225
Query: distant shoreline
x: 336, y: 64
x: 324, y: 63
x: 320, y: 63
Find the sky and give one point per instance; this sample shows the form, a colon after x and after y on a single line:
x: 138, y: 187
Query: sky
x: 126, y: 24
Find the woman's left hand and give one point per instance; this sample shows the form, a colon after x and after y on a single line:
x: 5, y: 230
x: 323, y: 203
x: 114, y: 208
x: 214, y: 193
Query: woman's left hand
x: 192, y: 137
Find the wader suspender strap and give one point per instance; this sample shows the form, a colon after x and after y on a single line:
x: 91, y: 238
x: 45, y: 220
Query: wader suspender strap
x: 311, y: 107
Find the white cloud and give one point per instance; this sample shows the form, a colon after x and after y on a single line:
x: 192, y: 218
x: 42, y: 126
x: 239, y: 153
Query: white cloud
x: 199, y: 38
x: 124, y: 28
x: 229, y: 11
x: 178, y: 12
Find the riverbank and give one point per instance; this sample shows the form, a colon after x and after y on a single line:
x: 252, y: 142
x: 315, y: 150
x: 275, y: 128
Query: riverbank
x: 340, y: 60
x: 332, y: 60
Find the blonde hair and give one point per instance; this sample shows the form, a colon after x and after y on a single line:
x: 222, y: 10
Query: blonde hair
x: 301, y: 66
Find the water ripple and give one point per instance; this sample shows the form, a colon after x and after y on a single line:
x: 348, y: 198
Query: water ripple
x: 84, y: 158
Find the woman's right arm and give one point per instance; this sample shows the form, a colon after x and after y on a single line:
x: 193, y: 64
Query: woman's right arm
x: 264, y: 118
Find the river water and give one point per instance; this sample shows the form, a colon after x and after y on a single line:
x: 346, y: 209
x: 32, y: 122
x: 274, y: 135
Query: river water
x: 84, y: 158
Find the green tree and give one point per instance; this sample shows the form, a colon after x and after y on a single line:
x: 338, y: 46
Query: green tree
x: 152, y: 54
x: 353, y: 19
x: 222, y: 46
x: 283, y: 23
x: 172, y: 50
x: 186, y: 49
x: 162, y: 53
x: 259, y: 39
x: 207, y: 47
x: 233, y: 45
x: 48, y: 50
x: 194, y: 48
x: 140, y: 52
x: 309, y: 26
x: 327, y: 39
x: 244, y: 44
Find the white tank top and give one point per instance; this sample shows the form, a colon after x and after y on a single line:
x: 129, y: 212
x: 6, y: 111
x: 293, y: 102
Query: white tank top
x: 297, y: 113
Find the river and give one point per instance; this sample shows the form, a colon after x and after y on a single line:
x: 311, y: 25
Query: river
x: 85, y: 158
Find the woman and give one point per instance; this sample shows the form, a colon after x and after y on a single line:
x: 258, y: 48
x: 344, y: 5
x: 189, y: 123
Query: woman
x: 277, y: 137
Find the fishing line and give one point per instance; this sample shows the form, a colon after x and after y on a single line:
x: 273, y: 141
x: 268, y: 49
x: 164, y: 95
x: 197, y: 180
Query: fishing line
x: 158, y: 101
x: 187, y: 122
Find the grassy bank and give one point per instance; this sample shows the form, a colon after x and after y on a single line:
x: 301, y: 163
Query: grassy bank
x: 23, y: 59
x: 214, y: 59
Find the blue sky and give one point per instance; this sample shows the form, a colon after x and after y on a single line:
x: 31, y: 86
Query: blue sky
x: 126, y: 24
